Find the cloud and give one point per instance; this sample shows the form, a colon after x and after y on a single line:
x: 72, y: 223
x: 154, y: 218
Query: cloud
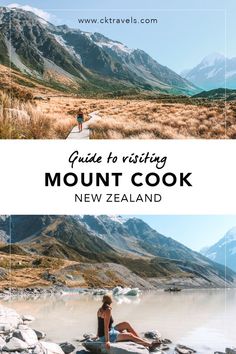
x: 39, y: 12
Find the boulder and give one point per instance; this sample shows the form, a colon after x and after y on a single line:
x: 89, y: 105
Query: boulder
x: 2, y: 343
x: 67, y: 347
x: 51, y: 348
x: 38, y: 349
x: 230, y: 350
x: 27, y: 335
x: 5, y: 328
x: 15, y: 345
x: 89, y: 335
x: 116, y: 348
x: 28, y: 318
x: 182, y: 349
x: 152, y: 334
x: 9, y: 317
x: 47, y: 348
x: 39, y: 334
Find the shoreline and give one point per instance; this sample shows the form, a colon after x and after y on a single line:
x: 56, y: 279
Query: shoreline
x: 17, y: 335
x: 38, y: 291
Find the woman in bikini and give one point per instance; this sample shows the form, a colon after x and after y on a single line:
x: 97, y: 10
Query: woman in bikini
x: 121, y: 332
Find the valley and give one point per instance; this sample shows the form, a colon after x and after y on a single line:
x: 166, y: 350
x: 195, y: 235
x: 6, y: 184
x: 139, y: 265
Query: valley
x: 99, y: 251
x: 54, y: 116
x: 48, y: 72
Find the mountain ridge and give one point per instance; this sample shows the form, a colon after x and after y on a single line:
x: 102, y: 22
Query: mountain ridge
x: 223, y: 251
x: 70, y: 238
x: 80, y: 60
x: 213, y: 72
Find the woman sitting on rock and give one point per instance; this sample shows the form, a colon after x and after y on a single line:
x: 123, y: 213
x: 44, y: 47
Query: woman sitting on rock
x: 121, y: 332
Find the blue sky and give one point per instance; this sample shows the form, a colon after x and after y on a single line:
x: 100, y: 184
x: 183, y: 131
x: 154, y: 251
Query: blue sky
x: 187, y: 30
x: 195, y: 231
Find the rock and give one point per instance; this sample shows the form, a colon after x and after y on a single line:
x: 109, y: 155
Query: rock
x: 15, y: 345
x: 152, y: 335
x: 116, y: 348
x: 38, y: 349
x: 51, y: 348
x: 182, y: 349
x: 5, y: 328
x: 2, y: 343
x: 166, y: 341
x: 40, y: 98
x: 9, y: 317
x: 3, y: 273
x: 100, y: 292
x: 67, y: 347
x: 49, y: 277
x: 230, y: 350
x: 28, y: 318
x: 164, y: 347
x: 27, y: 335
x: 39, y: 334
x: 88, y: 335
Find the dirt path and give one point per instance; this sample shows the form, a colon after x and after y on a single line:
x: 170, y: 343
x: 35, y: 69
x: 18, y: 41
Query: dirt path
x: 75, y: 134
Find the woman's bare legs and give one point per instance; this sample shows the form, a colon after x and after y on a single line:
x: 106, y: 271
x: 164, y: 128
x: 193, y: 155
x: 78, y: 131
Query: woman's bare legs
x: 80, y: 127
x: 125, y: 326
x: 122, y: 337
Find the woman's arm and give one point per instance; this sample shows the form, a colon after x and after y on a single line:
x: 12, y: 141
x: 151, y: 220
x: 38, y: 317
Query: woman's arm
x: 107, y: 316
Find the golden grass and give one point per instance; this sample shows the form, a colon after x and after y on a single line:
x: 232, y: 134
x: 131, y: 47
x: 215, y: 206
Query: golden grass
x: 134, y: 119
x: 54, y: 117
x: 24, y: 120
x: 24, y: 271
x: 150, y: 120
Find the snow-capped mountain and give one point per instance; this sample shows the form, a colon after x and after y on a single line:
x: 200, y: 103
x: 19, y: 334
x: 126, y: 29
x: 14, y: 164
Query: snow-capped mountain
x: 79, y: 60
x: 214, y: 71
x: 115, y: 240
x: 224, y: 251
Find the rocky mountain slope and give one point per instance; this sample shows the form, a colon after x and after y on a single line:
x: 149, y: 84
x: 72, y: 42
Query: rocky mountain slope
x: 129, y: 243
x: 80, y: 61
x: 137, y: 237
x: 4, y: 229
x: 224, y: 251
x: 214, y: 71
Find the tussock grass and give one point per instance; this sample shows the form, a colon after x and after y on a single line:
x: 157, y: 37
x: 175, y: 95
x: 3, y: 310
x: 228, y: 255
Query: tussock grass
x: 119, y: 118
x: 24, y: 120
x: 152, y: 120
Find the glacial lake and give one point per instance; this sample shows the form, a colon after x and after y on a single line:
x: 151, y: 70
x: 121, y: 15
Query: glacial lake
x: 202, y: 319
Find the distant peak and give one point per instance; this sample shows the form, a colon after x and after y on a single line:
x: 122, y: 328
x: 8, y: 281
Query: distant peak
x: 212, y: 58
x: 118, y: 218
x: 231, y: 234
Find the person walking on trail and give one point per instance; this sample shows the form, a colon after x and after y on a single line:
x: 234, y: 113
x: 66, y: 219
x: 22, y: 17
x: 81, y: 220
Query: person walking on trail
x: 107, y: 333
x: 80, y: 119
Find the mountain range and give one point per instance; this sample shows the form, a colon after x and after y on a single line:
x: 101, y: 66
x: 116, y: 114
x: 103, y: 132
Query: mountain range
x: 129, y: 244
x: 76, y: 61
x: 214, y: 71
x: 224, y: 251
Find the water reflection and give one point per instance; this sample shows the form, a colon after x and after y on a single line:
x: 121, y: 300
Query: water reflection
x: 203, y: 319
